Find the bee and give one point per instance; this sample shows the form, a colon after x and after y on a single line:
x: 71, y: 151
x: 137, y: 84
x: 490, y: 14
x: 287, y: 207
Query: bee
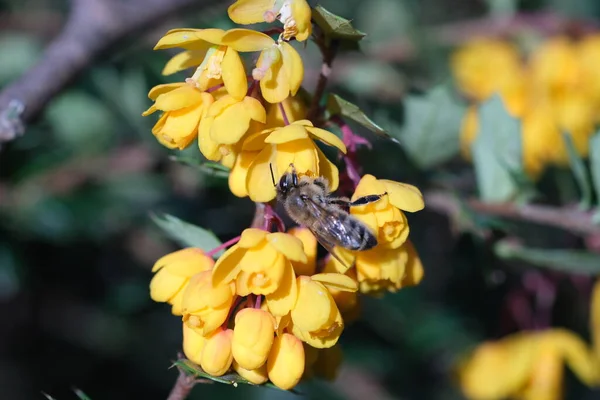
x: 309, y: 203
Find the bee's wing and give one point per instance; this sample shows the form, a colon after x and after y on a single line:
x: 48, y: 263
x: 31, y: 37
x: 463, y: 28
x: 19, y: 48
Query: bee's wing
x: 327, y: 225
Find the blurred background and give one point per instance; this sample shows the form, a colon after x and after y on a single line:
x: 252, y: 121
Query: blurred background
x: 77, y: 190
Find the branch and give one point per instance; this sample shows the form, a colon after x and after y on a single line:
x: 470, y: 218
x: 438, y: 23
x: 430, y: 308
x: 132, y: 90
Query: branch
x: 93, y: 28
x: 183, y: 386
x: 328, y: 52
x: 572, y: 220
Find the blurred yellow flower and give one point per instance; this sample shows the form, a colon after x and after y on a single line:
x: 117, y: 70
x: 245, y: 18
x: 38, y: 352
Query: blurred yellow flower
x: 469, y: 129
x: 183, y: 106
x: 294, y: 143
x: 260, y: 263
x: 253, y: 337
x: 384, y: 216
x: 279, y: 67
x: 217, y: 63
x: 527, y: 365
x: 173, y: 273
x: 588, y: 56
x: 216, y: 356
x: 206, y: 306
x: 483, y: 67
x: 285, y: 364
x: 295, y: 15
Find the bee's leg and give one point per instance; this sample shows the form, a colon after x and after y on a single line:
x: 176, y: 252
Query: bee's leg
x: 340, y: 201
x: 361, y: 201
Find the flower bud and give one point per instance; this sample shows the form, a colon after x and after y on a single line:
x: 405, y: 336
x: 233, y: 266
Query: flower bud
x: 193, y: 344
x: 286, y: 361
x: 257, y: 376
x: 252, y: 337
x: 216, y: 355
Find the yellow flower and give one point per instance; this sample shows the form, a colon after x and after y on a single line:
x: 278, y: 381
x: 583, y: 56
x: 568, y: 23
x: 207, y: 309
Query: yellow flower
x: 260, y: 264
x: 173, y: 273
x: 595, y: 320
x: 217, y: 62
x: 193, y: 344
x: 384, y: 216
x: 285, y: 364
x: 257, y: 376
x: 294, y: 107
x: 206, y: 306
x: 575, y: 115
x: 469, y: 129
x: 226, y: 122
x: 252, y: 337
x: 588, y: 55
x: 295, y: 15
x: 315, y: 317
x: 294, y: 143
x: 309, y: 242
x: 527, y: 365
x: 541, y: 139
x: 183, y: 106
x: 486, y: 66
x: 279, y: 67
x: 216, y: 355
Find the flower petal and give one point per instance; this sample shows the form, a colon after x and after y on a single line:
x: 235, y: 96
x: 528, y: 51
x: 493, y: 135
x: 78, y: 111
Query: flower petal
x: 294, y: 68
x: 165, y: 285
x: 239, y: 172
x: 328, y: 170
x: 302, y: 153
x: 244, y: 40
x: 404, y: 196
x: 227, y: 266
x: 182, y: 97
x: 327, y: 138
x: 231, y: 124
x: 309, y: 243
x: 274, y: 85
x: 314, y: 305
x: 245, y: 12
x: 258, y: 182
x: 190, y: 39
x: 221, y: 105
x: 370, y: 185
x: 164, y: 88
x: 251, y: 237
x: 184, y: 60
x: 288, y: 245
x: 234, y: 74
x: 282, y: 300
x: 287, y: 134
x: 256, y: 141
x: 336, y: 281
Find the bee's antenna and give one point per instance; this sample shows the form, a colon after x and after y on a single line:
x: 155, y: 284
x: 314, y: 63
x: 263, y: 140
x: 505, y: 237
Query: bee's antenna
x: 272, y: 175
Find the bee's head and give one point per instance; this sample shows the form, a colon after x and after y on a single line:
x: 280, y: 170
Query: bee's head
x: 288, y: 181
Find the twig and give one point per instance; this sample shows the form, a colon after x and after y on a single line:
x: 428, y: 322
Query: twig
x: 183, y: 386
x: 572, y: 220
x: 93, y: 27
x: 328, y: 52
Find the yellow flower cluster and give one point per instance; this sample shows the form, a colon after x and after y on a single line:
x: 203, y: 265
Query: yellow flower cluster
x: 240, y: 123
x: 266, y: 308
x: 530, y: 365
x: 557, y: 90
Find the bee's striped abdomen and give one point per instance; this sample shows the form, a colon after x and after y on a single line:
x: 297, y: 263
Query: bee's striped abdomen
x: 357, y: 236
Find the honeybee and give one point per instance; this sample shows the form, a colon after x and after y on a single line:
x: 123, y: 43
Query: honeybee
x: 309, y: 203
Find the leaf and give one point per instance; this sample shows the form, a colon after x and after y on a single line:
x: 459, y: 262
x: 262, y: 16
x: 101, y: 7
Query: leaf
x: 234, y: 379
x: 579, y: 171
x: 207, y: 167
x: 430, y: 132
x: 81, y: 395
x: 339, y: 106
x: 595, y: 163
x: 186, y: 234
x: 334, y: 26
x: 497, y: 153
x: 571, y: 261
x: 47, y: 396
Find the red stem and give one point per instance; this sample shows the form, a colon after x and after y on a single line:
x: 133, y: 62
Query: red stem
x: 223, y: 246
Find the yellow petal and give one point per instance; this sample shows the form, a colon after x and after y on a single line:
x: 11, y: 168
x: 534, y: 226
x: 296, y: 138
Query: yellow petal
x: 164, y: 88
x: 309, y: 242
x: 245, y: 12
x: 328, y: 170
x: 244, y: 40
x: 287, y: 134
x: 370, y: 185
x: 259, y: 258
x: 274, y: 85
x: 256, y: 141
x: 231, y: 124
x: 576, y: 355
x: 302, y: 15
x: 251, y: 237
x: 282, y: 300
x: 595, y: 319
x: 216, y: 355
x: 257, y: 376
x: 414, y: 267
x: 239, y: 172
x: 314, y: 305
x: 182, y: 125
x: 208, y: 147
x: 404, y: 196
x: 165, y: 285
x: 253, y: 337
x: 302, y: 153
x: 288, y: 245
x: 234, y: 74
x: 227, y: 266
x: 182, y: 97
x: 193, y: 344
x: 327, y: 138
x: 294, y: 69
x: 258, y: 182
x: 184, y: 60
x: 285, y: 364
x: 190, y: 39
x: 221, y: 105
x: 149, y: 111
x: 336, y: 281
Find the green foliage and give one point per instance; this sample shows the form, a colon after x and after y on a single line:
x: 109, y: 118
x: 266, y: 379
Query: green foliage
x: 497, y: 153
x: 207, y: 167
x: 186, y: 234
x: 580, y: 172
x: 431, y: 127
x: 19, y: 52
x: 336, y: 28
x: 595, y: 163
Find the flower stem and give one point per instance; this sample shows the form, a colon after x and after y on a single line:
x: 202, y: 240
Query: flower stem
x: 223, y: 246
x: 328, y: 53
x: 286, y: 121
x: 271, y: 216
x: 183, y: 386
x: 258, y: 301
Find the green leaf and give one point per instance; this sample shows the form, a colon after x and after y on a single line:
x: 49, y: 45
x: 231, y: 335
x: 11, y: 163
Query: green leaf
x: 595, y: 163
x: 579, y: 171
x: 234, y: 379
x: 207, y: 167
x: 82, y: 396
x: 186, y: 234
x: 497, y: 153
x: 334, y: 26
x: 571, y: 261
x: 47, y: 396
x: 339, y: 106
x: 431, y: 127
